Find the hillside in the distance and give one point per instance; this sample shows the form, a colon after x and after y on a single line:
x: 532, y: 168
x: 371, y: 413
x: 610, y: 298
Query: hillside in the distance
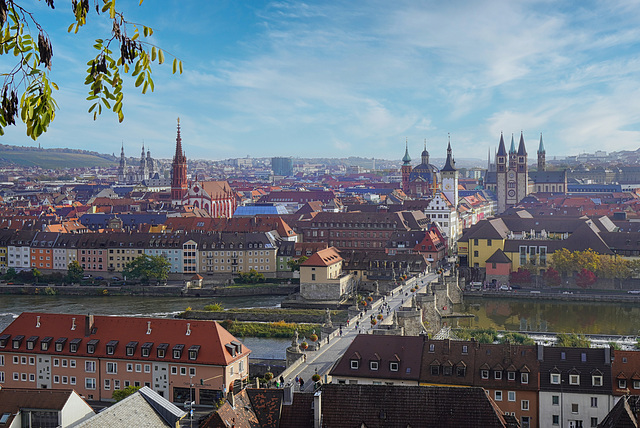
x: 52, y: 158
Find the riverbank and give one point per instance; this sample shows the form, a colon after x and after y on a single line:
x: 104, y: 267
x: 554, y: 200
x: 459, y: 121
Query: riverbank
x: 148, y: 291
x: 307, y: 316
x: 608, y: 296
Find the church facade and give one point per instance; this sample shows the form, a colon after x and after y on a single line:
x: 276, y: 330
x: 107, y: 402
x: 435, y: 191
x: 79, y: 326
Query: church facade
x: 216, y: 198
x: 145, y: 170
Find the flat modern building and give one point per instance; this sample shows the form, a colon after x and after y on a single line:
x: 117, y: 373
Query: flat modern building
x: 95, y: 355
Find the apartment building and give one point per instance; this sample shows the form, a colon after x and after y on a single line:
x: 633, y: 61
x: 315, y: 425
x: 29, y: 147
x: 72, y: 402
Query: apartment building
x: 96, y: 355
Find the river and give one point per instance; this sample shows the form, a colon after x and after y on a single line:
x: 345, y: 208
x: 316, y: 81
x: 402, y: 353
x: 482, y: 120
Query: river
x: 502, y: 314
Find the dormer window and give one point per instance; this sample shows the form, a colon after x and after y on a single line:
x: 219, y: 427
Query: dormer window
x: 596, y: 380
x: 60, y: 344
x: 574, y: 379
x: 484, y: 374
x: 394, y: 366
x: 91, y: 346
x: 145, y: 349
x: 555, y: 378
x: 45, y: 343
x: 355, y: 364
x: 73, y: 345
x: 373, y: 365
x: 193, y: 352
x: 432, y: 347
x: 162, y: 350
x: 111, y: 347
x: 4, y: 339
x: 17, y: 341
x: 177, y: 352
x: 131, y: 348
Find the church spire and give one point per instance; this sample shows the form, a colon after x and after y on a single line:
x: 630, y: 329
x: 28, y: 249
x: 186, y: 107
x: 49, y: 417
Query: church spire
x: 542, y: 164
x: 450, y: 163
x: 522, y: 151
x: 406, y: 159
x: 541, y: 146
x: 513, y: 145
x: 425, y: 154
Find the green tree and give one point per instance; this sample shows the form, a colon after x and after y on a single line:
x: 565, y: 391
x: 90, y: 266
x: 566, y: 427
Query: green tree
x: 251, y: 277
x: 11, y: 274
x: 572, y: 340
x: 27, y: 91
x: 146, y: 267
x: 294, y: 264
x: 517, y: 339
x: 36, y: 274
x: 120, y: 394
x: 74, y: 271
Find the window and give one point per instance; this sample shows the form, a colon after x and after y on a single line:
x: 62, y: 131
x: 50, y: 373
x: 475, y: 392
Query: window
x: 596, y: 380
x: 65, y: 380
x: 526, y: 420
x: 65, y: 363
x: 594, y: 401
x: 107, y: 384
x: 138, y: 368
x: 373, y: 365
x: 435, y: 370
x: 594, y: 422
x: 636, y: 384
x: 354, y: 364
x: 112, y: 368
x: 72, y: 364
x: 1, y: 377
x: 90, y: 383
x: 90, y: 366
x: 393, y: 366
x: 524, y: 377
x: 524, y: 404
x: 162, y: 350
x: 574, y: 408
x: 497, y: 374
x: 511, y: 375
x: 129, y: 367
x: 174, y: 370
x: 16, y: 359
x: 447, y: 370
x: 555, y: 378
x: 16, y: 376
x: 465, y: 349
x: 498, y: 395
x: 56, y: 362
x: 23, y: 360
x: 555, y: 400
x: 574, y: 379
x: 116, y: 384
x: 72, y: 380
x: 56, y: 379
x: 147, y: 368
x: 192, y: 370
x: 511, y: 395
x: 622, y: 383
x: 484, y: 374
x: 432, y: 347
x: 183, y: 371
x: 461, y: 371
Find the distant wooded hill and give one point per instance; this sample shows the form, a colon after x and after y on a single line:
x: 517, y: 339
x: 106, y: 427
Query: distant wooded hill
x: 53, y: 158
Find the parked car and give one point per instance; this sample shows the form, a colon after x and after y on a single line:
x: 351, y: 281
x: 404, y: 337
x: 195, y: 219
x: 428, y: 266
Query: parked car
x: 99, y: 278
x: 504, y: 288
x: 516, y: 287
x: 633, y: 291
x: 86, y: 277
x: 115, y: 278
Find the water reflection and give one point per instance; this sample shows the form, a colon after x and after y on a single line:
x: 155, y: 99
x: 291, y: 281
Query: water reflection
x: 527, y: 315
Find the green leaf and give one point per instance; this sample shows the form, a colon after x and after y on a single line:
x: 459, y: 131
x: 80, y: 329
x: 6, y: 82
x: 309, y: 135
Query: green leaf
x: 160, y: 56
x: 175, y: 65
x: 180, y: 67
x: 139, y: 80
x: 153, y: 53
x: 70, y: 28
x: 144, y: 87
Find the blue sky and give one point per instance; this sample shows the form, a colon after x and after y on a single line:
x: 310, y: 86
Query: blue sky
x: 357, y: 78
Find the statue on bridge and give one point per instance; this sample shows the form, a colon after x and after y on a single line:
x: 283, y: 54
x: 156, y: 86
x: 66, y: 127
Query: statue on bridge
x: 327, y: 320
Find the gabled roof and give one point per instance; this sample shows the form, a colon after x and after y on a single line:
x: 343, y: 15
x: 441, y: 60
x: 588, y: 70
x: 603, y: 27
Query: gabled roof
x: 499, y: 257
x: 323, y: 258
x: 13, y: 400
x: 211, y: 337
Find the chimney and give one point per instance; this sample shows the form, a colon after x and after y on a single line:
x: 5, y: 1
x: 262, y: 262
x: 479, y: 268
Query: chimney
x: 540, y: 352
x: 148, y: 327
x: 188, y: 329
x: 607, y: 356
x: 38, y: 321
x: 317, y: 409
x: 88, y: 325
x: 288, y: 395
x: 73, y: 323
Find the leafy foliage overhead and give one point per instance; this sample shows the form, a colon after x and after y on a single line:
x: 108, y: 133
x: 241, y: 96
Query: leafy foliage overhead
x: 27, y: 91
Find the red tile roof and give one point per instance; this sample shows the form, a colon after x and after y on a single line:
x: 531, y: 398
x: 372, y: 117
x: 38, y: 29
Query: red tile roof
x: 213, y: 342
x: 326, y: 257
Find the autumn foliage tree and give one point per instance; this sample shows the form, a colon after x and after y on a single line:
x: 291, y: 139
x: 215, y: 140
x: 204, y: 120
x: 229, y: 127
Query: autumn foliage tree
x: 552, y: 277
x: 522, y: 276
x: 585, y: 278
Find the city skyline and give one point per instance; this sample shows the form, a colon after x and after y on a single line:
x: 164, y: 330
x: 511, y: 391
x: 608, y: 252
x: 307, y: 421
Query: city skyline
x: 339, y: 79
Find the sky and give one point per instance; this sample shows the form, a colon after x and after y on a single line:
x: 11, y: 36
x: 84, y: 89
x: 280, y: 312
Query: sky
x: 358, y: 78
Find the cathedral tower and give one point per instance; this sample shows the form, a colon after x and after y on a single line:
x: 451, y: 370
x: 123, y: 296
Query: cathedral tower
x: 542, y: 165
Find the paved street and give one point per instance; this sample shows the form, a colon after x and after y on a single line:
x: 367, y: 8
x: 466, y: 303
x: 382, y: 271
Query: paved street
x: 322, y: 360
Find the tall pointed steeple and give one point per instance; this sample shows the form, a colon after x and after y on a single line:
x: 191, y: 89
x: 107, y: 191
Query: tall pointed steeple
x: 450, y: 163
x: 542, y: 165
x: 406, y: 167
x: 425, y: 154
x: 522, y: 151
x: 178, y: 171
x: 502, y: 151
x: 513, y: 145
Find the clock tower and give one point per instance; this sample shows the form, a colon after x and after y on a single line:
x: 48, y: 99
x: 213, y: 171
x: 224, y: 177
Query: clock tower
x: 449, y: 176
x: 512, y: 178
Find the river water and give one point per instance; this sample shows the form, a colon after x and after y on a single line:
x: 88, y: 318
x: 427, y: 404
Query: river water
x: 502, y: 314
